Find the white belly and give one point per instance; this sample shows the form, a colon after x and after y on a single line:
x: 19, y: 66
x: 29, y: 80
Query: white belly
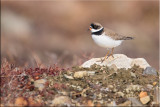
x: 106, y: 41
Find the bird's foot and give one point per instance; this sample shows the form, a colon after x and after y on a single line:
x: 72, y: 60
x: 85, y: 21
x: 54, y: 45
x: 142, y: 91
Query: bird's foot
x: 108, y: 57
x: 101, y: 60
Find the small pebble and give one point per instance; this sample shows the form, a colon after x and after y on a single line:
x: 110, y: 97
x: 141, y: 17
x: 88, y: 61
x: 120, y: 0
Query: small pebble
x: 40, y: 84
x: 154, y: 83
x: 80, y: 74
x: 133, y: 74
x: 61, y: 101
x: 90, y: 103
x: 68, y: 77
x: 20, y: 101
x: 149, y: 86
x: 110, y: 86
x: 145, y: 99
x: 120, y: 94
x: 142, y: 94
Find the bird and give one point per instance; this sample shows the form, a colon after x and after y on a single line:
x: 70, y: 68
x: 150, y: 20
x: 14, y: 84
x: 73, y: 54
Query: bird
x: 106, y: 38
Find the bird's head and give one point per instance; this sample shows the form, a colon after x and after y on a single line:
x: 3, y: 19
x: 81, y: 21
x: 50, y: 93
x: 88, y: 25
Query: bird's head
x: 95, y: 27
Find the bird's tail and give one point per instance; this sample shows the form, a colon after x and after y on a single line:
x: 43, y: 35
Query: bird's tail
x: 128, y: 38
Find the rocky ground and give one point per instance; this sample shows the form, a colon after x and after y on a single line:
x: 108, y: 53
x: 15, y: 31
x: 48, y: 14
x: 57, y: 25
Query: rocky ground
x: 92, y: 84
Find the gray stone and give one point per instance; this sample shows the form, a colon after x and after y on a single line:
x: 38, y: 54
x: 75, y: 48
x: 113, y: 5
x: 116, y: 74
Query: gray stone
x: 135, y: 101
x: 150, y: 71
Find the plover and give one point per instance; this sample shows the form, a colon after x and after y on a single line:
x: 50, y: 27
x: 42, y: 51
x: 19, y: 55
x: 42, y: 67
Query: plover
x: 106, y: 38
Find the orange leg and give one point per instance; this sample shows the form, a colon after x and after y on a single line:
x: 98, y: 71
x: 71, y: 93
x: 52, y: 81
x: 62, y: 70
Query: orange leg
x: 112, y: 52
x: 105, y: 56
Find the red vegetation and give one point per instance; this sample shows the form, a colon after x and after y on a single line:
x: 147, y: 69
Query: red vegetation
x: 15, y: 81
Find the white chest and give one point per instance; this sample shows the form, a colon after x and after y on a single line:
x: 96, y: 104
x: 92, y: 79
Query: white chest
x: 106, y: 41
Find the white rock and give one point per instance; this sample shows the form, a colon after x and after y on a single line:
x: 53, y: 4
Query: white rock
x: 61, y: 101
x: 68, y: 77
x: 119, y: 61
x: 145, y: 99
x: 40, y: 84
x: 80, y: 74
x: 140, y: 62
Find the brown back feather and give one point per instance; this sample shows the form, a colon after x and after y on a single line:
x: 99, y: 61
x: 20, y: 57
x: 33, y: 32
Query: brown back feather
x: 116, y: 36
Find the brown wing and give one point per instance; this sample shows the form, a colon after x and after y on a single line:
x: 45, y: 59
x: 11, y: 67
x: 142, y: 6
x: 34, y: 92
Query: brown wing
x: 115, y: 35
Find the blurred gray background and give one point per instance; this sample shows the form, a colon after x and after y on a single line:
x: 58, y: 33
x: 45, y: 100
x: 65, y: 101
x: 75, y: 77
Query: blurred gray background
x: 49, y: 32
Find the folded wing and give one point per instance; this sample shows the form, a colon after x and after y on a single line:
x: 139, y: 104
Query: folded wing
x: 116, y: 36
